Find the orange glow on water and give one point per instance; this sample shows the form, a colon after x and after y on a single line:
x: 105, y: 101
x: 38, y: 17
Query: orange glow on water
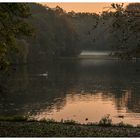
x: 93, y: 107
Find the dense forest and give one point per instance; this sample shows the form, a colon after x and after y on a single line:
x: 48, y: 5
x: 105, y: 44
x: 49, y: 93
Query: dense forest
x: 33, y: 32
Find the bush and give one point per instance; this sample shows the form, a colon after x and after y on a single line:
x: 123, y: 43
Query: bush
x: 47, y: 120
x: 72, y: 122
x: 106, y: 121
x: 14, y: 118
x: 122, y: 124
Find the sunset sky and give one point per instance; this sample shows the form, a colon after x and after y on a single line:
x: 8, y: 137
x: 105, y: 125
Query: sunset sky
x: 81, y: 7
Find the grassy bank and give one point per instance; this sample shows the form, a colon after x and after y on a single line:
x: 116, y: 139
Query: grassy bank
x: 23, y: 128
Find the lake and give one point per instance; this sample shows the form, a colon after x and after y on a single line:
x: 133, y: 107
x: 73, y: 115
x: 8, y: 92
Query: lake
x: 84, y: 90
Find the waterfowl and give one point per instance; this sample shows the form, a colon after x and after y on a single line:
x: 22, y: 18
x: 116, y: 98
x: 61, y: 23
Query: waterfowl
x: 86, y: 119
x: 44, y: 74
x: 121, y: 116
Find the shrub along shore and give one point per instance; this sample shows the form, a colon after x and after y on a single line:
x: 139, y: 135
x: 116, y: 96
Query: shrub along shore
x: 20, y: 127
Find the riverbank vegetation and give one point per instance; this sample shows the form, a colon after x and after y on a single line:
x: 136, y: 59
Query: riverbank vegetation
x: 124, y: 28
x: 12, y: 27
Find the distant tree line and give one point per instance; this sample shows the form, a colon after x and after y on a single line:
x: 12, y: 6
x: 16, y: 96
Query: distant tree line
x: 55, y: 33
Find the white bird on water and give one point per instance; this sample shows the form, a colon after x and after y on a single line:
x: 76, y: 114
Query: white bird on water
x: 44, y: 74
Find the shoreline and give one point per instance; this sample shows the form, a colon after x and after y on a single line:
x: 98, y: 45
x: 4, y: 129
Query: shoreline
x: 22, y: 128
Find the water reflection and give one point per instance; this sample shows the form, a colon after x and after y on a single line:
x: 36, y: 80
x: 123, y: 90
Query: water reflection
x: 74, y: 90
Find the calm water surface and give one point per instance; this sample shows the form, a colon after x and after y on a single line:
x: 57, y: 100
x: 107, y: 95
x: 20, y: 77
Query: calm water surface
x: 74, y: 89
